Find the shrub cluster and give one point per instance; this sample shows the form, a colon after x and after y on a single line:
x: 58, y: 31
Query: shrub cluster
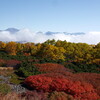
x: 76, y: 89
x: 12, y: 63
x: 9, y: 63
x: 2, y: 63
x: 50, y: 67
x: 27, y: 69
x: 83, y: 67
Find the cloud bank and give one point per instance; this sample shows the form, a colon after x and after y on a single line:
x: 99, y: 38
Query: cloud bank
x: 39, y: 37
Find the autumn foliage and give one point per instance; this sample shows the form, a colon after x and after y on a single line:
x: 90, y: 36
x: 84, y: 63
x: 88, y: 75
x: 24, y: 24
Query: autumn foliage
x: 2, y: 62
x: 12, y: 63
x: 9, y: 63
x: 75, y: 88
x: 11, y: 48
x: 54, y: 50
x: 50, y: 67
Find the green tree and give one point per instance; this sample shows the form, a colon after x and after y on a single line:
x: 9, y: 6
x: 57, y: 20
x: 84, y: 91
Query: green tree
x: 96, y: 53
x: 27, y: 69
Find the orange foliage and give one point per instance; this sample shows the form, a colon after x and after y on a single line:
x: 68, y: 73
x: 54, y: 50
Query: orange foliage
x: 11, y: 48
x: 27, y: 54
x: 96, y: 61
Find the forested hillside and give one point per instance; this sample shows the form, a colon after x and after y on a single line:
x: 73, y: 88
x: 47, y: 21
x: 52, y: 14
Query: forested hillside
x: 54, y: 50
x: 53, y: 70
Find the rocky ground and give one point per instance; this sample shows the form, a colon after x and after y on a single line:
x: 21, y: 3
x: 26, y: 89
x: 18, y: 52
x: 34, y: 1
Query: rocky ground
x: 18, y: 88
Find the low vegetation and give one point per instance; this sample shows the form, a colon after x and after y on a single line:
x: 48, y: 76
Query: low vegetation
x: 53, y: 70
x: 4, y: 88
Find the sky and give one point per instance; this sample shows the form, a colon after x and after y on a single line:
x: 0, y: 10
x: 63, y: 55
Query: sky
x: 51, y: 15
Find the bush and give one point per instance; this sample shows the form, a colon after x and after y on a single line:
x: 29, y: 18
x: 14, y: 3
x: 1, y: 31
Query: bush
x: 4, y: 88
x: 27, y: 69
x: 12, y: 63
x: 92, y: 78
x: 50, y: 67
x: 83, y: 67
x: 48, y: 84
x: 2, y: 63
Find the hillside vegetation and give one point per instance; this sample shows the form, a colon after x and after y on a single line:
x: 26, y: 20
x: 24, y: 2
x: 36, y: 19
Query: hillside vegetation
x: 53, y: 70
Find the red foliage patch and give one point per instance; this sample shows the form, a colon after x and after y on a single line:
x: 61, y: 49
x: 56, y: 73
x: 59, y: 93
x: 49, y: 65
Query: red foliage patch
x: 12, y: 63
x: 92, y: 78
x: 27, y: 54
x: 50, y: 67
x: 2, y: 62
x: 76, y: 88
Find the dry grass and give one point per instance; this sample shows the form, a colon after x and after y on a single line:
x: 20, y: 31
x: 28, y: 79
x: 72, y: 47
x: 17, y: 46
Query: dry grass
x: 25, y: 96
x: 6, y: 68
x: 6, y: 72
x: 11, y: 96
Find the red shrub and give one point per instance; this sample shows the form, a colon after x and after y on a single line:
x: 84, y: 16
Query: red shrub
x: 88, y: 96
x: 50, y: 67
x: 12, y: 63
x: 39, y: 83
x: 76, y: 89
x: 92, y: 78
x: 59, y: 84
x: 27, y: 54
x: 2, y: 62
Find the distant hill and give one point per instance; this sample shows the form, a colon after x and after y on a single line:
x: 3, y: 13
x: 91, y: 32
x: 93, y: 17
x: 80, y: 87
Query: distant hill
x: 51, y: 33
x: 12, y: 30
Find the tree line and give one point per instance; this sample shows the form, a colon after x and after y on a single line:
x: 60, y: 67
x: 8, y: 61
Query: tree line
x: 54, y: 50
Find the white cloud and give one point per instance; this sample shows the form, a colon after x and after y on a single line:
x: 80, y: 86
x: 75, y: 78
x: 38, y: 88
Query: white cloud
x: 29, y: 36
x: 91, y: 38
x: 7, y: 36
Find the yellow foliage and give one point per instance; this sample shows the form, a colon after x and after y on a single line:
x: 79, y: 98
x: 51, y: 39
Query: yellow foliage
x: 11, y: 48
x: 53, y: 52
x: 96, y: 61
x: 2, y: 45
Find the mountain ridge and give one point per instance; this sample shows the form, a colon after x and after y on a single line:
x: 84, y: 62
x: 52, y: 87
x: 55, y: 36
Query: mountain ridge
x: 14, y: 30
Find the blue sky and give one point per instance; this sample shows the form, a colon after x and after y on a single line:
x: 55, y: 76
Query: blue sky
x: 51, y: 15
